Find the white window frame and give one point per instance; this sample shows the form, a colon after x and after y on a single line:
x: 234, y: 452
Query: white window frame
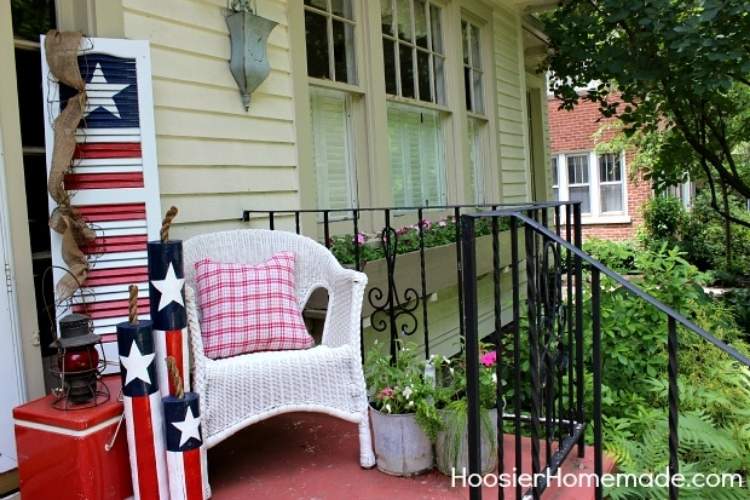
x: 595, y: 214
x: 329, y: 17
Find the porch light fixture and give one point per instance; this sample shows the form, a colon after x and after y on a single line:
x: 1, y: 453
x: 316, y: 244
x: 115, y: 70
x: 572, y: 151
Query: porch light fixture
x: 248, y: 36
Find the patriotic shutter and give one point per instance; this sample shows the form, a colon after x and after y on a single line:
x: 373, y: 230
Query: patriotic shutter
x: 113, y: 181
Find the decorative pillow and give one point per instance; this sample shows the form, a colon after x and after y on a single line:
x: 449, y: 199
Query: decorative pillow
x: 248, y: 308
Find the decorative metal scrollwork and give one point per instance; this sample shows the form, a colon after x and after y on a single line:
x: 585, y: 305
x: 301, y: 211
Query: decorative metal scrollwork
x: 390, y: 311
x: 553, y: 317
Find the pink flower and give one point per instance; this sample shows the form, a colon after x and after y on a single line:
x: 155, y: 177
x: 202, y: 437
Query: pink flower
x: 489, y: 359
x: 425, y: 224
x: 387, y: 392
x: 361, y: 239
x: 403, y: 230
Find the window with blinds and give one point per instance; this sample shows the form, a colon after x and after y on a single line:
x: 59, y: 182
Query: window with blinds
x: 610, y: 182
x: 417, y: 157
x: 333, y: 149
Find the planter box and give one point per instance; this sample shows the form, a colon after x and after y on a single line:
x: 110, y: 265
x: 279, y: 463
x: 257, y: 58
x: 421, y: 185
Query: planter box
x: 440, y: 268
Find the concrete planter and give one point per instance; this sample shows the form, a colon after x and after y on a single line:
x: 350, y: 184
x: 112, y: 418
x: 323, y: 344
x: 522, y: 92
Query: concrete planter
x: 446, y: 463
x: 401, y: 446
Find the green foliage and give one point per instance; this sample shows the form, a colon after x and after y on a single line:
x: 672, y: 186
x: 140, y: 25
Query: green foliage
x: 663, y: 220
x: 675, y: 72
x: 714, y: 391
x: 617, y: 255
x: 704, y: 238
x: 400, y: 387
x: 738, y: 301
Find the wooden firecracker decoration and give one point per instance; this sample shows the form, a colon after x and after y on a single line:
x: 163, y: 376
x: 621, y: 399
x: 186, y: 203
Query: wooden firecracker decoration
x: 166, y: 283
x: 186, y: 455
x: 143, y: 412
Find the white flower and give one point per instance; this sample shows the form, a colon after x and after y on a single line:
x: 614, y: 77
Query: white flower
x: 388, y: 407
x: 411, y: 404
x: 407, y: 392
x: 452, y: 370
x: 494, y: 378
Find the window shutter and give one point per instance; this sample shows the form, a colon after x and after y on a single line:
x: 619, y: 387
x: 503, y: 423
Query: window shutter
x: 334, y: 166
x: 113, y: 181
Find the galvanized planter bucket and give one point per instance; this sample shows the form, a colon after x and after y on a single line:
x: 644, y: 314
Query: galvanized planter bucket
x: 401, y: 446
x: 445, y: 463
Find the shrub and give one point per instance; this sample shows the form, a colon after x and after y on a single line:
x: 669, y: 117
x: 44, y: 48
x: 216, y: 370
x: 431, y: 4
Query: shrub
x: 704, y: 239
x: 617, y: 255
x: 663, y: 218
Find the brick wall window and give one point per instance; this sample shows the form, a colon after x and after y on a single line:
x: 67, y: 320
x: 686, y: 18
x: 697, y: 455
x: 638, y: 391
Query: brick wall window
x: 596, y: 180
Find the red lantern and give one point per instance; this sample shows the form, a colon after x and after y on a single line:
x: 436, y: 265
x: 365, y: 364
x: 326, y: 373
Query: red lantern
x: 78, y: 365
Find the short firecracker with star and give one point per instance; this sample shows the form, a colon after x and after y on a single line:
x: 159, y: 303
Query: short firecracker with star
x: 186, y: 457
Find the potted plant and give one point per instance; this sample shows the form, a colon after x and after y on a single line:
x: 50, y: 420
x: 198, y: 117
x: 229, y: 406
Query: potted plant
x: 402, y: 411
x: 451, y: 444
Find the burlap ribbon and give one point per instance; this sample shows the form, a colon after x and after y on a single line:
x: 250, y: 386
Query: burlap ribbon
x: 62, y: 58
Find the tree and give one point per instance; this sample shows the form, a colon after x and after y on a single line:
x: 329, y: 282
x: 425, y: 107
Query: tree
x: 677, y: 72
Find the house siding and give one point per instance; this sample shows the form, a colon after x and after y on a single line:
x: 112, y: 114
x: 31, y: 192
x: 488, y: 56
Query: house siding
x: 216, y: 159
x: 510, y: 86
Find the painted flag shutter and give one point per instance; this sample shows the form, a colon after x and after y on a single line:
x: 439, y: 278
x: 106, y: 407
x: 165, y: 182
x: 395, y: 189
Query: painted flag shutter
x: 113, y: 181
x: 334, y: 167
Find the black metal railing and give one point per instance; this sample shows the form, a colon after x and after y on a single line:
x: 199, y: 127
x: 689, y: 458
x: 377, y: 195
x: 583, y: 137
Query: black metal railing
x: 394, y: 306
x: 548, y: 402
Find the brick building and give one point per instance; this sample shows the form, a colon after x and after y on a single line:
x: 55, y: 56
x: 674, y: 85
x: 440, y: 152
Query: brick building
x: 610, y: 193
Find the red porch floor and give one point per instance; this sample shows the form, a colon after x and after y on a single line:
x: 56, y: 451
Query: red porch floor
x: 312, y: 456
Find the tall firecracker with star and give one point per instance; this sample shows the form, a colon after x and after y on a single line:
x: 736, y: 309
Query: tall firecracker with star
x: 186, y: 455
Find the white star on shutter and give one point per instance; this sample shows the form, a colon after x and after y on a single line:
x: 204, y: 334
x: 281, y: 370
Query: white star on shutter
x: 100, y: 93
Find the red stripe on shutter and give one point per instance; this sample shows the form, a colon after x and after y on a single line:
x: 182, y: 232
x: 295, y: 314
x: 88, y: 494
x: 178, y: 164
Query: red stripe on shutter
x: 104, y: 213
x: 104, y: 181
x: 110, y: 308
x: 145, y: 453
x: 111, y: 244
x: 118, y: 276
x: 96, y: 150
x: 191, y: 461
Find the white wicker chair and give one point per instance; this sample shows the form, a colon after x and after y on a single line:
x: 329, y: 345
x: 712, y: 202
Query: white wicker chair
x: 239, y: 391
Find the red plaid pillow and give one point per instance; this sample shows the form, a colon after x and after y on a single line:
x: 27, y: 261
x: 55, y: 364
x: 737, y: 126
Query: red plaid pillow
x: 248, y: 308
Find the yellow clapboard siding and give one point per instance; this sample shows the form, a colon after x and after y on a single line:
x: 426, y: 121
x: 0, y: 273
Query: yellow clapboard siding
x: 164, y: 33
x: 192, y: 68
x: 181, y: 151
x: 194, y: 96
x: 179, y: 179
x: 185, y: 123
x: 222, y: 207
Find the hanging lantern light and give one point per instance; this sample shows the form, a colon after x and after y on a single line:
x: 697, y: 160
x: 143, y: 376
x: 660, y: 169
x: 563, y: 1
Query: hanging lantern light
x: 79, y: 365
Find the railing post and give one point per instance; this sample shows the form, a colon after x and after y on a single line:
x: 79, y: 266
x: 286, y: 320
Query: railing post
x: 423, y: 283
x: 516, y: 284
x: 674, y: 407
x: 499, y: 347
x: 470, y: 321
x: 578, y: 237
x: 531, y: 289
x: 456, y: 218
x: 596, y: 332
x: 271, y: 224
